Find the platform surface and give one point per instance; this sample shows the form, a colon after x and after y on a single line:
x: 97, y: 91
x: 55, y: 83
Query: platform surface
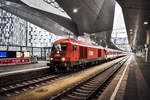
x: 17, y: 68
x: 135, y: 83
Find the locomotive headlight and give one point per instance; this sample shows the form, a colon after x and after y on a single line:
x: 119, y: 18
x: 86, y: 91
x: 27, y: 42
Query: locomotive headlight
x: 63, y: 59
x: 51, y: 58
x: 57, y: 51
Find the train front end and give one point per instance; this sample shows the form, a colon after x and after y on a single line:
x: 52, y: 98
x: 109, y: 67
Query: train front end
x: 59, y: 59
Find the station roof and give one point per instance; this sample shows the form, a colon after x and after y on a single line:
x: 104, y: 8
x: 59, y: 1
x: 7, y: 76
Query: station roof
x: 137, y: 20
x: 96, y: 16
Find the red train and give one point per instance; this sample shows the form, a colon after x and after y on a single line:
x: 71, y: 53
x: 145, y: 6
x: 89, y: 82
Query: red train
x: 68, y: 54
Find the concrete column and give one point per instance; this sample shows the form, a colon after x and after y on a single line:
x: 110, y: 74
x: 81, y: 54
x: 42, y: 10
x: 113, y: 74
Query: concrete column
x: 148, y: 43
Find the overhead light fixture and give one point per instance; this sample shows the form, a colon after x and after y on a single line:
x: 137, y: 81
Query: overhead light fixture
x: 145, y: 23
x: 131, y: 30
x: 75, y: 10
x: 93, y: 34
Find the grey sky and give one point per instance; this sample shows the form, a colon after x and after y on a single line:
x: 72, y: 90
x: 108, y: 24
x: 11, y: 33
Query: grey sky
x: 119, y: 24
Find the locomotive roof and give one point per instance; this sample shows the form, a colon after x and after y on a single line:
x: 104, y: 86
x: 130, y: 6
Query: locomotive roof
x: 72, y: 41
x: 75, y: 42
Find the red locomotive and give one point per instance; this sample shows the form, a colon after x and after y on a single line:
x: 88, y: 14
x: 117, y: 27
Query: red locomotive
x: 68, y: 54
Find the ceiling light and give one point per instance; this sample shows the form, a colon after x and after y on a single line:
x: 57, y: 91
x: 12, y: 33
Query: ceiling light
x: 131, y: 30
x: 93, y: 34
x: 75, y: 10
x: 145, y: 23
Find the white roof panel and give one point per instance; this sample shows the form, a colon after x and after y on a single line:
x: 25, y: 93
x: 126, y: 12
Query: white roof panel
x: 43, y: 5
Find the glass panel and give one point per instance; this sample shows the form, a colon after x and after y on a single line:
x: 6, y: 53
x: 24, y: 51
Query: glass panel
x: 54, y: 4
x: 3, y: 48
x: 60, y: 47
x: 14, y: 48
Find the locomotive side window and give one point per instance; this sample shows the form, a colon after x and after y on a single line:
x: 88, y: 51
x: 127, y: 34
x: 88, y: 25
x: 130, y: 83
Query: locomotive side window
x: 59, y: 47
x: 74, y: 48
x: 63, y: 47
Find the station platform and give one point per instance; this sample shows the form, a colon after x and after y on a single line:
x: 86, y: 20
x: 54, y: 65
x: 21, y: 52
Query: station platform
x: 131, y: 83
x: 19, y: 68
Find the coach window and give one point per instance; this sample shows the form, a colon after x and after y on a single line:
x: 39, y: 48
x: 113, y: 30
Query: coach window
x: 74, y: 48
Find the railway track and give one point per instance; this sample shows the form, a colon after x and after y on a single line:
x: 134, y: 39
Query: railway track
x: 91, y: 88
x: 22, y: 86
x: 19, y: 87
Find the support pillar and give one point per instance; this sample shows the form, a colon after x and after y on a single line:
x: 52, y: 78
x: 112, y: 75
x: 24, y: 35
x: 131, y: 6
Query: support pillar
x: 148, y: 45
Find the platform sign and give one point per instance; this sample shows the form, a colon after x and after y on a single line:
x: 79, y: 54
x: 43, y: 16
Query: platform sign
x: 14, y: 61
x: 3, y: 54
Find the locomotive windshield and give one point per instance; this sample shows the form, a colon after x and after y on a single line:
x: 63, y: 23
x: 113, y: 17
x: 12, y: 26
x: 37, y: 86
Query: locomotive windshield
x: 59, y: 47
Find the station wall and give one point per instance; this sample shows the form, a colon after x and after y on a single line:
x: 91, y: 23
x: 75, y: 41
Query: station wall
x: 16, y: 31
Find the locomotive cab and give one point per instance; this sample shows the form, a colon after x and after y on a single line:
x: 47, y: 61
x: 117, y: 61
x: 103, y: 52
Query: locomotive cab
x: 58, y: 53
x: 62, y: 55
